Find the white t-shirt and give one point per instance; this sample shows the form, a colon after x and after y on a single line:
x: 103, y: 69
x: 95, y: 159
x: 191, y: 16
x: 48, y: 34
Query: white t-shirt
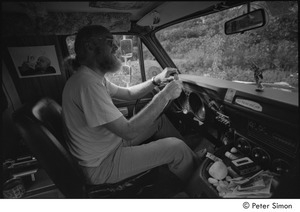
x: 87, y: 106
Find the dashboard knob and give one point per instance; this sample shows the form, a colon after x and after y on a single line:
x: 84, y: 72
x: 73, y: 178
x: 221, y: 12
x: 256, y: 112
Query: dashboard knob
x: 184, y: 111
x: 261, y: 156
x: 281, y: 166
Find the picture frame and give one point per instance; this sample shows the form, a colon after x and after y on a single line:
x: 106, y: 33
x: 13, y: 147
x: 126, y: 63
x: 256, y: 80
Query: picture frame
x: 35, y: 61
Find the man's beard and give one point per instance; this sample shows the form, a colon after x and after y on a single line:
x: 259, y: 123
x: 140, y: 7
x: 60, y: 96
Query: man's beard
x: 108, y: 63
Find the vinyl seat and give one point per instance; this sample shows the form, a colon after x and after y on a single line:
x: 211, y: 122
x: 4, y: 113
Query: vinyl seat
x: 41, y: 126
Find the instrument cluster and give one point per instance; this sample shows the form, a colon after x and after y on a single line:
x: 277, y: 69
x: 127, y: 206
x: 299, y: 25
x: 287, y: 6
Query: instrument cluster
x: 202, y: 107
x: 191, y: 103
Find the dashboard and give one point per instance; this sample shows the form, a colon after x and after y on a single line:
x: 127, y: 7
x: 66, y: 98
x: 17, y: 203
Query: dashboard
x: 261, y: 125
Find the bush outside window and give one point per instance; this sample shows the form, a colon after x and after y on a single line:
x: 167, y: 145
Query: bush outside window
x: 200, y: 47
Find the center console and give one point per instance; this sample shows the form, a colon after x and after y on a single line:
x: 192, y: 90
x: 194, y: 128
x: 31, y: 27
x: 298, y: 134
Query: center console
x: 271, y: 144
x: 273, y: 149
x: 200, y: 187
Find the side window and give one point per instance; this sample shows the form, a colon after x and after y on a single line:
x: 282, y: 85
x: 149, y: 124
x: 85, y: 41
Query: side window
x: 126, y: 76
x: 152, y: 67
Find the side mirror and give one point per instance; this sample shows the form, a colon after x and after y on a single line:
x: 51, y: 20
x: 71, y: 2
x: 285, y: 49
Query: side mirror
x: 126, y: 48
x: 252, y: 20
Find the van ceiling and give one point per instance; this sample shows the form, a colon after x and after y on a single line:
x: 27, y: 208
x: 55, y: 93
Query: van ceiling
x: 136, y: 9
x: 65, y: 18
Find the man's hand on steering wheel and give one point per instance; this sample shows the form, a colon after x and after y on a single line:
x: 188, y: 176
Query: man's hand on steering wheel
x: 173, y: 90
x: 167, y: 75
x: 162, y: 80
x: 172, y: 86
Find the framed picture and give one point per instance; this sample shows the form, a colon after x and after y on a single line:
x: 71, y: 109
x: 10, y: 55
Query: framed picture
x: 35, y: 61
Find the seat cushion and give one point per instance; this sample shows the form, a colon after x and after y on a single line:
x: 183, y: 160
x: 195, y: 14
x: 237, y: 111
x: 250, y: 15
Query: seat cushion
x: 134, y: 186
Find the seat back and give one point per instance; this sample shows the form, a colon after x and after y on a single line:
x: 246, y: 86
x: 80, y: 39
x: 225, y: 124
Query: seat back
x: 41, y: 127
x: 49, y: 113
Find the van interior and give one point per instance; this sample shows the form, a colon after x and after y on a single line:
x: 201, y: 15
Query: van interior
x: 250, y: 123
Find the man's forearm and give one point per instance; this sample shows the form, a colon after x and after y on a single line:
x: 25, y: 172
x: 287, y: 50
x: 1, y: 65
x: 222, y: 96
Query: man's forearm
x: 130, y: 129
x: 148, y: 115
x: 140, y: 90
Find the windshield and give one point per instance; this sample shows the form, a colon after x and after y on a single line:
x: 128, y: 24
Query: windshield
x: 200, y: 47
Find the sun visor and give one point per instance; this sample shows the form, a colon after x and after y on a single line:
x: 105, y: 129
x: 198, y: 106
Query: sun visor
x: 17, y: 24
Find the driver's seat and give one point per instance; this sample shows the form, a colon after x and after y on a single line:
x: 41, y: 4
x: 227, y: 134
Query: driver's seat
x: 41, y: 126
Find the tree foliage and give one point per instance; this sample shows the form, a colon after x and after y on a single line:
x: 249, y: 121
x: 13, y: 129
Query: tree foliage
x: 200, y: 46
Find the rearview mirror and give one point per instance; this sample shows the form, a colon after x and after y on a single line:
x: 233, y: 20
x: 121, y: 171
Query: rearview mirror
x: 245, y: 22
x: 126, y: 47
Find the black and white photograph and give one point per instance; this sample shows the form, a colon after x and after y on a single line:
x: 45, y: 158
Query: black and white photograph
x: 35, y: 61
x: 151, y: 105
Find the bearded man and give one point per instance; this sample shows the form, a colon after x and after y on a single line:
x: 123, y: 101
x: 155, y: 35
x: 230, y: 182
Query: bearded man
x: 107, y: 146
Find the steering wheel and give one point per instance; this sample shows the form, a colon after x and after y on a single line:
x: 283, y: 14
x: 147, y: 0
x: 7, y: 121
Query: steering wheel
x: 167, y: 106
x: 155, y: 91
